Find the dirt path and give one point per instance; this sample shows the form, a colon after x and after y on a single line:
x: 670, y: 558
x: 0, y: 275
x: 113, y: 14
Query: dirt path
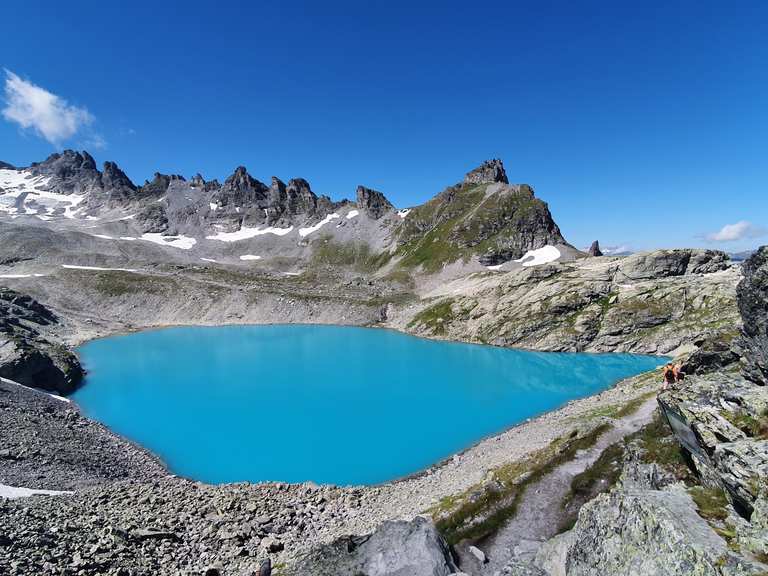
x: 540, y: 511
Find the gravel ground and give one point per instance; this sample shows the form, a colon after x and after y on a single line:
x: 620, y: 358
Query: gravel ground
x: 126, y: 513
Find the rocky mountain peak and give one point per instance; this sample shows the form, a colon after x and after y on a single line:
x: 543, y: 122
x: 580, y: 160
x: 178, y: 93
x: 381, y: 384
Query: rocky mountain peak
x: 752, y: 295
x: 373, y: 203
x: 488, y: 172
x: 241, y: 181
x: 197, y: 181
x: 6, y: 166
x: 67, y: 164
x: 113, y: 177
x: 594, y: 249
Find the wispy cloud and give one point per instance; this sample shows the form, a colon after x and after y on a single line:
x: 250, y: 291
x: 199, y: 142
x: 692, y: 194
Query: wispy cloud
x: 48, y: 115
x: 739, y: 231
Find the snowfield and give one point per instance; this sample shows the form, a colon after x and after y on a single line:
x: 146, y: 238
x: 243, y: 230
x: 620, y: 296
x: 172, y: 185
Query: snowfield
x: 245, y: 233
x: 540, y: 256
x: 14, y: 492
x: 23, y: 194
x: 307, y: 231
x: 183, y: 242
x: 97, y: 268
x: 250, y: 257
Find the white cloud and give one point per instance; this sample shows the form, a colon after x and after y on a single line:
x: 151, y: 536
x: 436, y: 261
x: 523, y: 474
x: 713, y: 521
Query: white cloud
x: 738, y: 231
x: 49, y: 115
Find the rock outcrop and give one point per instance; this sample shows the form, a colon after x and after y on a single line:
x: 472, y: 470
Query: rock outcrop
x: 753, y: 305
x: 654, y: 303
x: 488, y: 172
x: 373, y: 203
x: 26, y: 355
x: 594, y: 249
x: 641, y: 532
x: 395, y: 548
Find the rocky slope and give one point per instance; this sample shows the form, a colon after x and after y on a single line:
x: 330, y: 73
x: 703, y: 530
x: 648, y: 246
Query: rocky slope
x: 651, y: 303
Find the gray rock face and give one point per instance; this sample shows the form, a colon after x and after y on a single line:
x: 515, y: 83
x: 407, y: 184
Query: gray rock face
x: 594, y: 249
x: 666, y: 263
x: 646, y: 533
x: 740, y: 465
x: 6, y: 166
x: 488, y: 172
x: 752, y: 294
x: 373, y: 203
x: 26, y: 356
x: 590, y: 305
x: 395, y: 549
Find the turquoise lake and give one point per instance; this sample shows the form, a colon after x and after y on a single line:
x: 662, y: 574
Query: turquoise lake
x: 323, y: 403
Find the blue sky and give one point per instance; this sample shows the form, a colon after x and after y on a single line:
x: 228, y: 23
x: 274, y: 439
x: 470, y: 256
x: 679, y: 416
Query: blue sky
x: 642, y: 124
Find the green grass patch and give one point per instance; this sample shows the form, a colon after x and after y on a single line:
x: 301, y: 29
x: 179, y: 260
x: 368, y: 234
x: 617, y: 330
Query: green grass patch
x: 754, y: 426
x: 434, y: 317
x: 357, y: 255
x: 118, y: 283
x: 712, y: 503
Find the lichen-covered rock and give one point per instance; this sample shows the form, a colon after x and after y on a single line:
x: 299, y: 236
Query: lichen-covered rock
x: 666, y: 263
x: 753, y: 304
x: 647, y: 533
x: 396, y: 548
x: 741, y: 466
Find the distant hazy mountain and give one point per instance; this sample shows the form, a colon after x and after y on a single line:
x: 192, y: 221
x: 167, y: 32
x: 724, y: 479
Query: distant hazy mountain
x: 741, y: 256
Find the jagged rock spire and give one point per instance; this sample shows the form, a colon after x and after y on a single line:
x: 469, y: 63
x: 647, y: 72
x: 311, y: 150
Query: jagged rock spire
x: 594, y: 249
x: 488, y: 172
x: 373, y: 203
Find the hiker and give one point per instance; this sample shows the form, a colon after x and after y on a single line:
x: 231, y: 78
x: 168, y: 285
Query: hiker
x: 668, y: 372
x: 679, y: 374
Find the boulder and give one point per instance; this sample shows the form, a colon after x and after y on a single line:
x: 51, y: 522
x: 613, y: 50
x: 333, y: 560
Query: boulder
x: 752, y: 296
x: 396, y: 548
x: 644, y: 533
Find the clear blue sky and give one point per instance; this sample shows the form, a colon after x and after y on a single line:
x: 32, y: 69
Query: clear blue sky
x: 640, y: 123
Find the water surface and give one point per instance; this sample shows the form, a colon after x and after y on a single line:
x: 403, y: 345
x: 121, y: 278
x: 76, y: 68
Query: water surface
x: 324, y: 403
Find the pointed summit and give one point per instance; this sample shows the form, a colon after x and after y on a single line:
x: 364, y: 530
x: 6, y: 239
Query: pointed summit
x: 594, y: 250
x: 488, y: 172
x: 373, y: 203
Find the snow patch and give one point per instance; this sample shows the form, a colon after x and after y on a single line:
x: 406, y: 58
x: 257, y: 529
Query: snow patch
x: 207, y: 259
x: 250, y: 257
x: 97, y: 268
x: 213, y: 206
x: 292, y: 273
x: 307, y: 231
x: 12, y: 492
x: 540, y: 256
x: 54, y: 396
x: 183, y: 242
x: 244, y: 233
x: 403, y: 213
x: 494, y: 267
x: 352, y: 214
x: 21, y: 275
x: 104, y: 236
